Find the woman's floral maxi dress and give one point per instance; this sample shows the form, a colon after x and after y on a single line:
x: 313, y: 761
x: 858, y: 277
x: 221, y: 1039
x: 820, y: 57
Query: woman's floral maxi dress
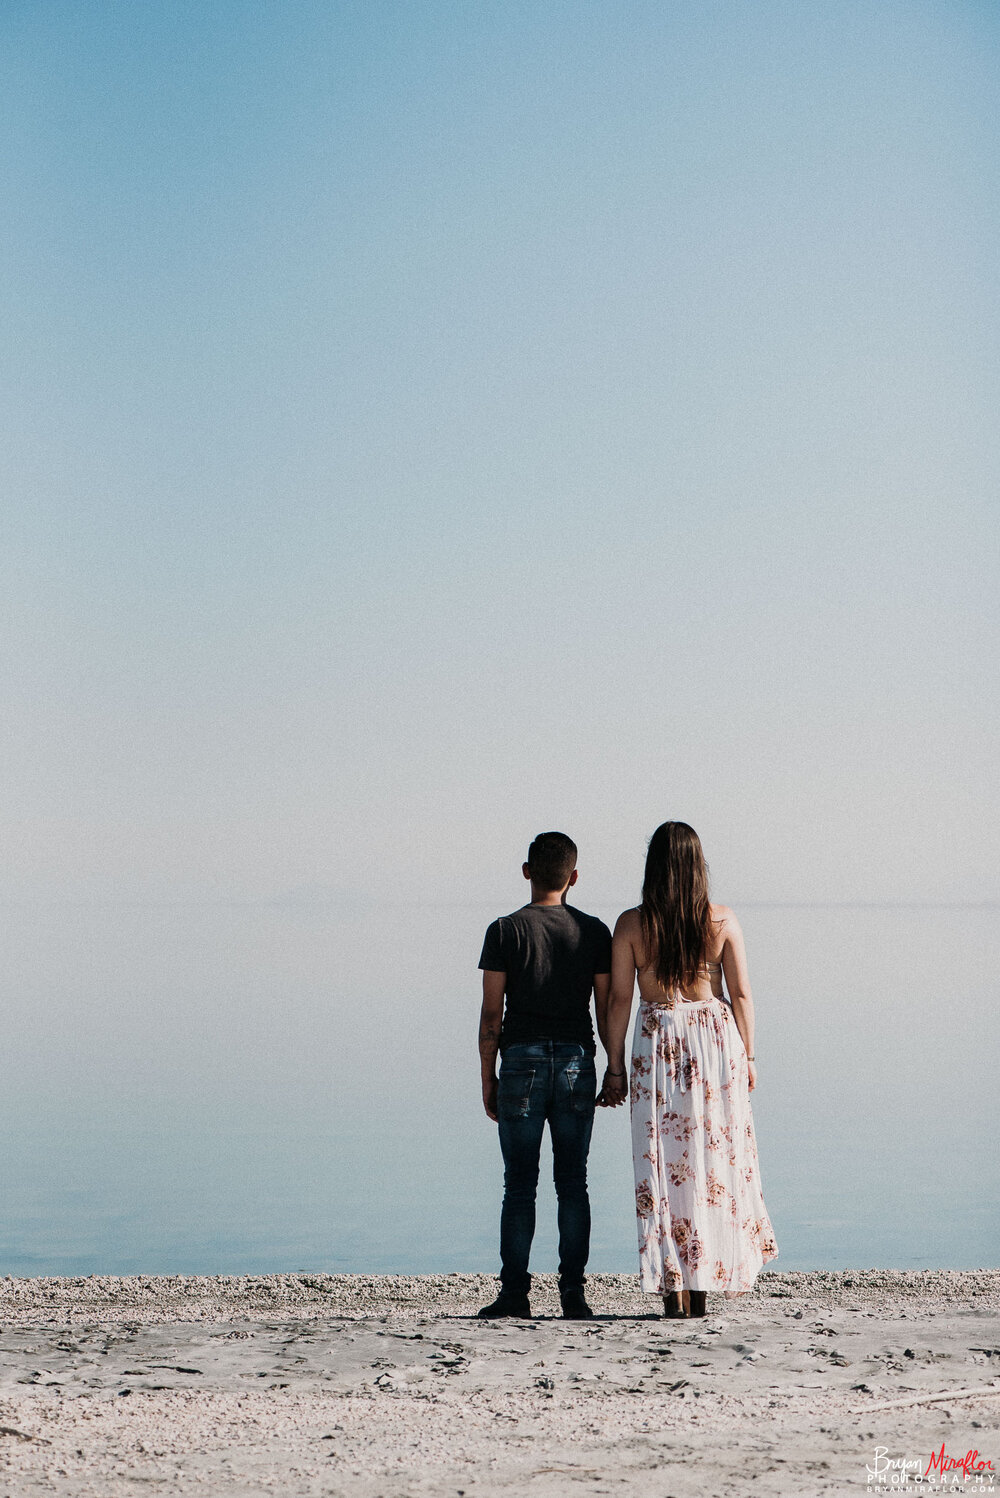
x: 702, y: 1220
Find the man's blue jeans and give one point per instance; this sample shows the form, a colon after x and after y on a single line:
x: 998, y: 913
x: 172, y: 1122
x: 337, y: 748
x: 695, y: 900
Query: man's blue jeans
x: 539, y: 1081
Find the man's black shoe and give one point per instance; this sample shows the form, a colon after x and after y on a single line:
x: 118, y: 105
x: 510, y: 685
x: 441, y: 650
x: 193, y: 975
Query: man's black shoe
x: 507, y: 1305
x: 574, y: 1305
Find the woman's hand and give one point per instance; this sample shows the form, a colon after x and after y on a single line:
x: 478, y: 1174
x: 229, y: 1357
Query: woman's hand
x: 752, y: 1072
x: 614, y: 1089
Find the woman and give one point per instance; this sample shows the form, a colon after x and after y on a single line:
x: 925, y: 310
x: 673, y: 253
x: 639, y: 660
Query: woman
x: 702, y: 1220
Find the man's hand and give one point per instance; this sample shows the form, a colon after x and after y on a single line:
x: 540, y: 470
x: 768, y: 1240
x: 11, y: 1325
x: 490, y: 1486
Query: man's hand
x: 490, y: 1097
x: 614, y: 1089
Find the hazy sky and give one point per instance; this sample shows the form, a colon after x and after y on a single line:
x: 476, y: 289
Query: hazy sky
x: 426, y: 424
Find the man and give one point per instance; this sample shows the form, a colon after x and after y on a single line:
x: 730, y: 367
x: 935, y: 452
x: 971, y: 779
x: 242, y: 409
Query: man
x: 546, y: 959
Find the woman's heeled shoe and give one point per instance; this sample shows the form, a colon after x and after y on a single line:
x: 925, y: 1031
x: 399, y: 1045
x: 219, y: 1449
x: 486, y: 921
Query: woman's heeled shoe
x: 698, y: 1303
x: 673, y: 1306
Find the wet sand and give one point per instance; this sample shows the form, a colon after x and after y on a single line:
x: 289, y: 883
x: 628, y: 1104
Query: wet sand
x: 388, y: 1385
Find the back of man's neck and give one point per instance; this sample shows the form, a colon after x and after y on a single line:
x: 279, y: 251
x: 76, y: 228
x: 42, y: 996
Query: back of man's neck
x: 549, y: 898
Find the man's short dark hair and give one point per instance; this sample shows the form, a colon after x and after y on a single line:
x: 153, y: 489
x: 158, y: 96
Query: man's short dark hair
x: 551, y: 860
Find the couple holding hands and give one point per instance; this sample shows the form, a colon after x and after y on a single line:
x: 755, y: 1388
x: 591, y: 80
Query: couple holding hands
x: 701, y: 1215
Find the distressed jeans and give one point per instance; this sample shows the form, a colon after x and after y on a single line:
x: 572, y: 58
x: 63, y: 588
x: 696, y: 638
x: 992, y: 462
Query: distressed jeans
x: 541, y: 1081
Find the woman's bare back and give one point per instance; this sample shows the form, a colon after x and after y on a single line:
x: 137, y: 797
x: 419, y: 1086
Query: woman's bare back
x: 708, y: 984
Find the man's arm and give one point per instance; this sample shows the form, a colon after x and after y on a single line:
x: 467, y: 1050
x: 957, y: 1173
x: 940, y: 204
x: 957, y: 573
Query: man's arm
x: 602, y: 992
x: 490, y: 1019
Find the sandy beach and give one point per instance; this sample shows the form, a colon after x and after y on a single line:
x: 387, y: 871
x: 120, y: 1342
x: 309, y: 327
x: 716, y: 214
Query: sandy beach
x: 384, y: 1385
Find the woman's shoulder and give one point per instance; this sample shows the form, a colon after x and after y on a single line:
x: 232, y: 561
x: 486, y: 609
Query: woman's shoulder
x: 628, y: 923
x: 724, y: 919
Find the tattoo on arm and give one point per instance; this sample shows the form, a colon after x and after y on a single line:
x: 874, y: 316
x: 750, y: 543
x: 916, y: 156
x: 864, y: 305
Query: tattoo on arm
x: 491, y: 1017
x: 489, y: 1039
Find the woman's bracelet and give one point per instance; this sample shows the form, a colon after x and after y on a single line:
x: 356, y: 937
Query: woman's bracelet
x: 751, y: 1058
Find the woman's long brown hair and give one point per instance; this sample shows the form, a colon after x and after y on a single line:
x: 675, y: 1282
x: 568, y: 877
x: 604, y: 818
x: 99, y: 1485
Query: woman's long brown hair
x: 675, y: 913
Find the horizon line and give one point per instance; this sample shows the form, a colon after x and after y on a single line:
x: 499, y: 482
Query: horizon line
x: 343, y: 898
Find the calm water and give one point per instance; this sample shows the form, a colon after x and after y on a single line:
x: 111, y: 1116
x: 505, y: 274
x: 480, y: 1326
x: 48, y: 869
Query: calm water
x: 222, y: 1089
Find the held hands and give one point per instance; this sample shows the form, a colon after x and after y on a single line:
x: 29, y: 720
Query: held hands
x: 614, y: 1088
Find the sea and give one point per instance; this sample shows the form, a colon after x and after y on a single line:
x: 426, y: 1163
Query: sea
x: 293, y: 1085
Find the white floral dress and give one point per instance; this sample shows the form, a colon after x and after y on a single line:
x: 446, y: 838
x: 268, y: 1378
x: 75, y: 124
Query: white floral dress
x: 702, y: 1220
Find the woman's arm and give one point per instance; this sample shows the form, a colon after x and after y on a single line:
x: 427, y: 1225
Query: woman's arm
x: 615, y: 1088
x: 734, y: 965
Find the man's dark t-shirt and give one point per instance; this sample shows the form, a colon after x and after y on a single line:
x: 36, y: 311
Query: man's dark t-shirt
x: 550, y: 954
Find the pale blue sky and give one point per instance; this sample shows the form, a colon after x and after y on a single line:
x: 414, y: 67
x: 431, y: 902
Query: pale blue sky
x: 429, y: 423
